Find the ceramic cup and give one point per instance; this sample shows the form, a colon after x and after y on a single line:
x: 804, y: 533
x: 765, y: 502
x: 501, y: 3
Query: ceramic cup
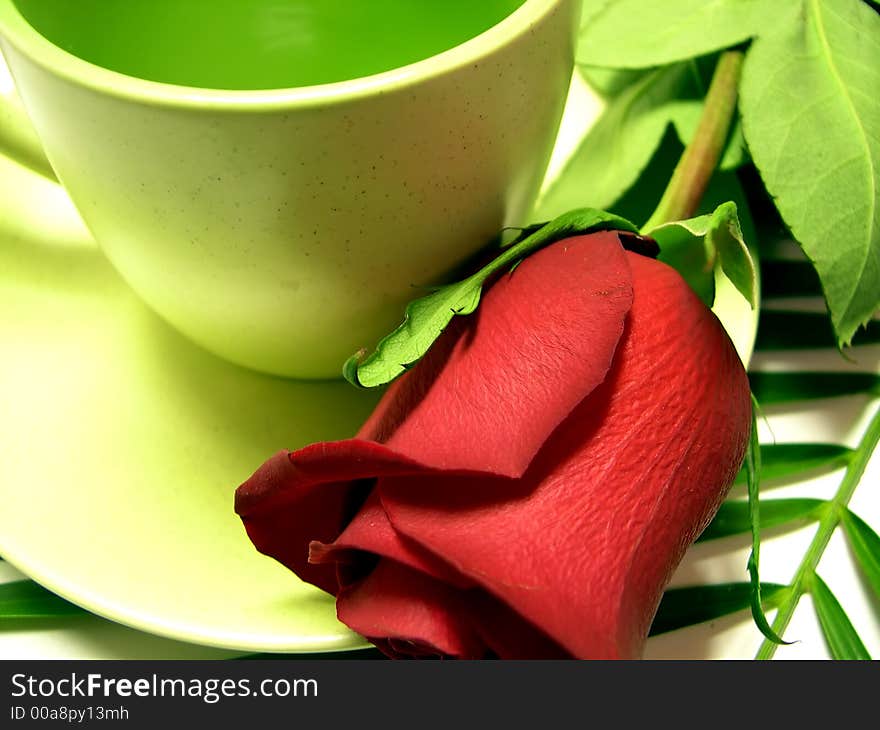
x: 285, y: 229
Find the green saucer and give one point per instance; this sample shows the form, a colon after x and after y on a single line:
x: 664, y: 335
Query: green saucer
x: 121, y: 445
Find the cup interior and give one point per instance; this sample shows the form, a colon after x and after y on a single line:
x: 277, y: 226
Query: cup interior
x: 259, y: 44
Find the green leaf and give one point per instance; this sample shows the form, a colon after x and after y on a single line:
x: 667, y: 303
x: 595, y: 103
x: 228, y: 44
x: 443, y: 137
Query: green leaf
x: 640, y: 200
x: 733, y: 518
x: 426, y: 318
x: 610, y: 82
x: 681, y: 607
x: 779, y: 461
x: 812, y: 121
x: 753, y: 478
x: 733, y: 256
x: 26, y: 599
x: 641, y: 106
x: 638, y: 34
x: 843, y: 641
x: 686, y: 250
x: 782, y: 330
x: 697, y: 246
x: 865, y: 545
x: 771, y: 387
x: 622, y: 141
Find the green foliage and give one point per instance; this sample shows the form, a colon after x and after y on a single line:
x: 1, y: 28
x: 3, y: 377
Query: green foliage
x: 641, y: 107
x: 805, y: 575
x: 865, y: 545
x: 812, y: 122
x: 734, y: 516
x: 609, y: 82
x: 699, y: 246
x: 808, y: 109
x: 788, y: 387
x: 842, y: 639
x: 637, y: 34
x: 26, y: 599
x: 782, y: 461
x: 753, y: 479
x: 691, y: 605
x: 620, y: 144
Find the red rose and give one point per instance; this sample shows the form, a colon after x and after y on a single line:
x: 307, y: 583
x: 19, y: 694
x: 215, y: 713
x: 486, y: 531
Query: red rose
x: 526, y: 490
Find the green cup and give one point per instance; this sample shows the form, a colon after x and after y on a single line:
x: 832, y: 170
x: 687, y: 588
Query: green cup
x: 284, y: 228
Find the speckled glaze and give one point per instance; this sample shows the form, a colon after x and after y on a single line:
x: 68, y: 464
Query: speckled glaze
x: 285, y: 229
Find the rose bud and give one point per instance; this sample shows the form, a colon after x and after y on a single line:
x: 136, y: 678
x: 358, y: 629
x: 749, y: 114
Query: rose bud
x: 527, y: 489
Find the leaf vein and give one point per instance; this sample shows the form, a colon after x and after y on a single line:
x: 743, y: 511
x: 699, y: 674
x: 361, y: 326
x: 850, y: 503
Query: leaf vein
x: 826, y: 47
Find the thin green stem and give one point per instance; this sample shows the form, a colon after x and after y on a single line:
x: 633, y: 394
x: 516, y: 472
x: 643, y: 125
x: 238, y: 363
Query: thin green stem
x: 691, y: 176
x: 829, y: 522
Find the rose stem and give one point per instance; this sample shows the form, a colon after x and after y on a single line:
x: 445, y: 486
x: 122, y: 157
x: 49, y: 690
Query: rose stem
x: 692, y: 173
x: 827, y: 525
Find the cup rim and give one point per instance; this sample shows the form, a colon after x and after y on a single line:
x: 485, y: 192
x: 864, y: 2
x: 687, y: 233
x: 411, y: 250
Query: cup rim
x: 21, y: 35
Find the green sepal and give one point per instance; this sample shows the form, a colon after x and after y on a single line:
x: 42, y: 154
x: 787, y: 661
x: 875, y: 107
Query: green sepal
x: 698, y: 246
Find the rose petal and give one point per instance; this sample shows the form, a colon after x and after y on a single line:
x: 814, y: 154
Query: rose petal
x: 370, y: 534
x: 294, y: 499
x: 486, y: 398
x: 371, y: 531
x: 405, y: 612
x: 585, y: 546
x: 506, y: 633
